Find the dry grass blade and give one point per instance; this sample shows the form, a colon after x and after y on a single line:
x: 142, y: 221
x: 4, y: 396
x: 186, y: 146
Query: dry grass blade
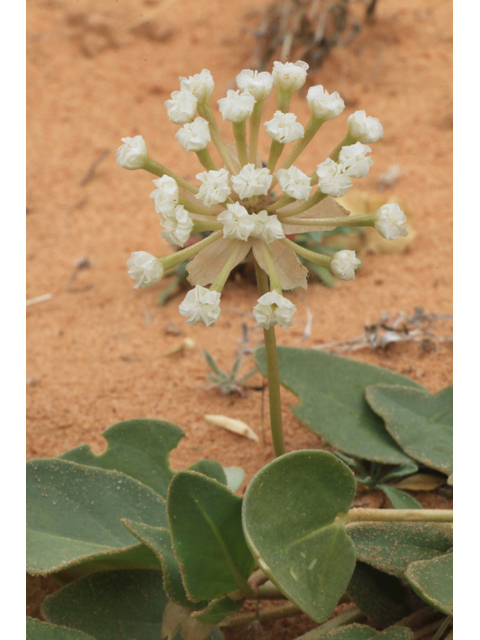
x: 233, y: 425
x: 44, y: 298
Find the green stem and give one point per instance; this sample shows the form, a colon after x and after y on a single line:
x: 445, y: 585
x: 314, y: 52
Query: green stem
x: 399, y: 515
x: 159, y: 170
x: 255, y: 122
x: 311, y: 129
x: 195, y: 207
x: 442, y: 628
x: 206, y: 112
x: 279, y: 203
x: 276, y: 149
x: 346, y: 142
x: 283, y: 101
x: 240, y: 134
x: 366, y: 220
x: 348, y: 617
x: 312, y: 256
x: 275, y: 613
x: 200, y: 227
x: 273, y: 374
x: 221, y: 279
x: 317, y: 197
x: 426, y: 631
x: 179, y: 256
x: 206, y: 160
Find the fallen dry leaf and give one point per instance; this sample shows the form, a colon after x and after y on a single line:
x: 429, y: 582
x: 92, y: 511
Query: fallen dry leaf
x: 420, y: 482
x: 233, y: 425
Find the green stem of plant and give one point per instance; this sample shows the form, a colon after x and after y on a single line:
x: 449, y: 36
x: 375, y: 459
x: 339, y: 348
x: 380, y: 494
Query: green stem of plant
x: 280, y: 202
x: 366, y: 220
x: 442, y: 628
x: 220, y: 280
x: 399, y: 515
x: 273, y: 374
x: 348, y: 617
x: 206, y: 160
x: 206, y: 112
x: 317, y: 197
x: 418, y: 618
x: 240, y: 134
x: 285, y: 611
x: 193, y: 207
x: 176, y: 258
x: 200, y: 227
x: 276, y: 149
x: 346, y: 142
x: 311, y: 129
x: 283, y: 101
x: 159, y: 170
x: 312, y: 256
x: 429, y: 629
x: 255, y: 122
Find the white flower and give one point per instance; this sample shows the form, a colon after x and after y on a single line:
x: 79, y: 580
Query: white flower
x: 344, y: 263
x: 283, y: 127
x: 215, y: 187
x: 324, y: 105
x: 145, y: 269
x: 237, y: 222
x: 331, y: 179
x: 267, y: 227
x: 252, y: 182
x: 201, y: 305
x: 258, y: 84
x: 181, y: 107
x: 178, y: 225
x: 236, y: 107
x: 194, y: 136
x: 272, y: 309
x: 353, y: 160
x: 201, y: 85
x: 133, y: 154
x: 289, y: 77
x: 364, y: 128
x: 294, y: 183
x: 389, y: 220
x: 165, y: 197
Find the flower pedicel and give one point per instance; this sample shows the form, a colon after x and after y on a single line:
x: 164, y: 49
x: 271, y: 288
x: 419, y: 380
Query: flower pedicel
x: 235, y: 203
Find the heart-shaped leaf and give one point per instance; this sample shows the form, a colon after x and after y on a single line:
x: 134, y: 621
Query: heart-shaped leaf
x: 211, y: 469
x: 74, y: 517
x: 392, y: 546
x: 381, y: 596
x: 421, y: 422
x: 292, y: 518
x: 160, y: 542
x: 37, y: 630
x: 113, y: 605
x: 400, y: 499
x: 138, y: 448
x: 432, y: 580
x: 206, y: 525
x: 332, y: 400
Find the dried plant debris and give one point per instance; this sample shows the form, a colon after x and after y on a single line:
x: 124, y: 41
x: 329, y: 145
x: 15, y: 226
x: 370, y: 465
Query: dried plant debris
x: 420, y: 327
x: 307, y: 30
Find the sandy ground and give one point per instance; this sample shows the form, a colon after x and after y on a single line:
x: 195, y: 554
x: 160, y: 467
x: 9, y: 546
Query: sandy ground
x: 95, y: 349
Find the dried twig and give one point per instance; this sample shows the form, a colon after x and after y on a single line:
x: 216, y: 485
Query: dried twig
x: 94, y: 166
x: 44, y: 298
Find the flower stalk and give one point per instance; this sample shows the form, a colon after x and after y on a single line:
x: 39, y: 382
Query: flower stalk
x: 240, y: 134
x: 206, y: 112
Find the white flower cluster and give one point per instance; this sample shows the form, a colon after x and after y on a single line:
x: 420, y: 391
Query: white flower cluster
x: 237, y: 204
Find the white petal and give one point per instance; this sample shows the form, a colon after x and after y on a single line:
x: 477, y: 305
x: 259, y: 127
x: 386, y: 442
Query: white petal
x: 290, y: 272
x: 208, y: 263
x: 326, y: 208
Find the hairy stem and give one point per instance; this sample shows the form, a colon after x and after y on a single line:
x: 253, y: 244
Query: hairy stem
x: 399, y: 515
x: 273, y: 374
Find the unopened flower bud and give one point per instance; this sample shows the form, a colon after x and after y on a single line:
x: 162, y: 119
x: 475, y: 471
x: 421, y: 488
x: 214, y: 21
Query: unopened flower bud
x: 215, y: 187
x: 272, y: 309
x: 344, y: 263
x: 178, y: 225
x: 353, y: 160
x: 389, y: 220
x: 332, y: 180
x: 289, y: 77
x: 294, y: 183
x: 181, y: 107
x: 252, y: 182
x: 237, y: 222
x: 194, y: 136
x: 284, y: 128
x: 324, y: 105
x: 165, y: 196
x: 236, y: 107
x: 258, y: 84
x: 364, y: 128
x: 267, y: 227
x: 201, y: 85
x: 133, y: 154
x: 146, y: 269
x: 201, y: 305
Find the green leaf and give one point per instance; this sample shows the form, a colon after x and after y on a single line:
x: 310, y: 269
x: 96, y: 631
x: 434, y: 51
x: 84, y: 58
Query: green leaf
x: 217, y: 610
x: 235, y: 477
x: 293, y: 521
x: 400, y: 472
x: 332, y: 400
x: 432, y: 580
x: 392, y: 546
x: 396, y: 633
x: 205, y: 521
x: 74, y: 516
x: 114, y: 605
x: 400, y: 499
x: 351, y: 632
x: 160, y: 542
x: 139, y: 448
x: 37, y: 630
x: 211, y: 469
x: 421, y: 422
x: 380, y: 596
